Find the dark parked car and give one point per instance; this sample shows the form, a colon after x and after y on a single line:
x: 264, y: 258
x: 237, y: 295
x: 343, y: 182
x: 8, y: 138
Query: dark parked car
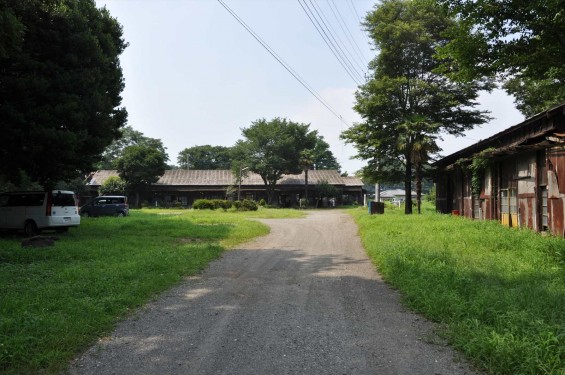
x: 106, y: 205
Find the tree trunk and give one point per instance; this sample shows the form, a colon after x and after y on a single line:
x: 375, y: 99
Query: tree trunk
x: 408, y: 187
x: 270, y: 192
x: 419, y: 186
x: 306, y: 186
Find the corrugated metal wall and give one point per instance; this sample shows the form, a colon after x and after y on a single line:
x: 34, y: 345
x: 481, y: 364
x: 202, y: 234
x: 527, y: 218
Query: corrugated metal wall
x: 525, y: 190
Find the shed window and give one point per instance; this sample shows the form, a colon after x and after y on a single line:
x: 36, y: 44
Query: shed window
x: 476, y: 207
x: 509, y: 207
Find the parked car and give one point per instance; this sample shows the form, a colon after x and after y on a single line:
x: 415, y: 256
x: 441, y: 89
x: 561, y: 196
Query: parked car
x: 106, y: 205
x: 32, y: 211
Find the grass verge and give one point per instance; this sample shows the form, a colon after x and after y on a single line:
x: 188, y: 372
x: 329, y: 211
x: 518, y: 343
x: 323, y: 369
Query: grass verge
x: 499, y: 293
x: 54, y: 302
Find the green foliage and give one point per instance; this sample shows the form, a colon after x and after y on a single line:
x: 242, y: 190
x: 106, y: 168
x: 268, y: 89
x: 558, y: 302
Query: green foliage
x: 322, y: 156
x: 533, y: 96
x: 406, y: 105
x: 128, y: 137
x: 60, y: 86
x: 518, y: 41
x: 431, y: 196
x: 205, y: 157
x: 326, y: 190
x: 25, y: 183
x: 262, y: 202
x: 113, y: 186
x: 246, y: 205
x: 272, y: 148
x: 478, y: 166
x: 212, y: 204
x: 141, y: 165
x: 499, y: 292
x: 57, y: 302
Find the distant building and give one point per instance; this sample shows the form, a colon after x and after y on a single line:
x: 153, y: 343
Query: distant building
x: 396, y: 195
x: 522, y: 179
x: 185, y: 186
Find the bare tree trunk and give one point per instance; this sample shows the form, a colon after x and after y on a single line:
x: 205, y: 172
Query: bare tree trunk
x: 419, y: 186
x: 408, y: 187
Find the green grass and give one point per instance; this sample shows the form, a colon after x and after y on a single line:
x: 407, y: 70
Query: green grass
x: 55, y: 302
x: 499, y: 293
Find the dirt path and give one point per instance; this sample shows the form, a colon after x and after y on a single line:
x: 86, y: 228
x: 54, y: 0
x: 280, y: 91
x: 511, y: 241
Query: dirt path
x: 303, y: 300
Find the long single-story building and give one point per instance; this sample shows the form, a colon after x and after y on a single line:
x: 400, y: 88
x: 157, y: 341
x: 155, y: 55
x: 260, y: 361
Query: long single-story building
x: 516, y: 176
x: 185, y: 186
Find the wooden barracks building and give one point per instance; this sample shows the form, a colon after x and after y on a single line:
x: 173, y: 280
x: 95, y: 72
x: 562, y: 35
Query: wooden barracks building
x: 516, y: 176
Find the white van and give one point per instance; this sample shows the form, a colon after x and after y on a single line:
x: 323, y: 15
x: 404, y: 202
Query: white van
x: 32, y: 211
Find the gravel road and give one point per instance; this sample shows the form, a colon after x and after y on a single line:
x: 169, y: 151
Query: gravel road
x: 303, y: 300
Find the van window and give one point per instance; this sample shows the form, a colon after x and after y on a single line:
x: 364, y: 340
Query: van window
x: 63, y: 200
x: 27, y: 199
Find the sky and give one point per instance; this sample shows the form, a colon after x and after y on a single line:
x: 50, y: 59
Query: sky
x: 195, y: 76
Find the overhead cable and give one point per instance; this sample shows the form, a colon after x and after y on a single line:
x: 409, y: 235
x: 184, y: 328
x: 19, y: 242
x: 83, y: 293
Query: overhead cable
x: 331, y: 31
x: 328, y: 42
x: 347, y: 32
x: 283, y: 63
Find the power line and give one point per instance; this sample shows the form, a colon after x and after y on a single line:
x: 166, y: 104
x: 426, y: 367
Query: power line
x: 283, y: 63
x: 354, y: 11
x: 321, y: 31
x: 327, y: 23
x: 347, y: 32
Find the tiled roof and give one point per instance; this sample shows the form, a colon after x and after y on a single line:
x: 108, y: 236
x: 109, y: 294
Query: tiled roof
x: 183, y: 177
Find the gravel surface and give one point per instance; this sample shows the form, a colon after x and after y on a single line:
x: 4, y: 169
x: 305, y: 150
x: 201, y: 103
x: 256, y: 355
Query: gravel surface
x: 303, y: 300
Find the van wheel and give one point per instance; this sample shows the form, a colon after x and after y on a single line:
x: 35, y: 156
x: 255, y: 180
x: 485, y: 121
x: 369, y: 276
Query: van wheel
x: 85, y: 214
x: 30, y: 228
x: 121, y: 214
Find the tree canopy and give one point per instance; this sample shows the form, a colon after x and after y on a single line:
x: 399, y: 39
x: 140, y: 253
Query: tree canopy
x: 128, y: 137
x: 140, y: 165
x: 406, y: 105
x: 205, y: 157
x: 520, y: 42
x: 322, y: 156
x: 60, y: 87
x: 273, y: 148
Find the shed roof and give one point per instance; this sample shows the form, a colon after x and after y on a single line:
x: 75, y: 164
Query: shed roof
x: 523, y: 135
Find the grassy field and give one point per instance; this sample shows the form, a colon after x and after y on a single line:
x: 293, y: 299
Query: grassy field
x: 56, y: 301
x: 498, y: 293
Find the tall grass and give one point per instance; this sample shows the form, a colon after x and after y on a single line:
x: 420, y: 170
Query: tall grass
x: 498, y: 292
x: 56, y: 301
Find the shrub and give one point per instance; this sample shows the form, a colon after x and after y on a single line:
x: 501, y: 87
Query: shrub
x: 203, y: 204
x: 211, y: 204
x: 224, y: 204
x: 262, y: 202
x: 246, y: 205
x: 250, y: 205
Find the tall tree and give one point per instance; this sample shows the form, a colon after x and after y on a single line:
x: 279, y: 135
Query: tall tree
x: 128, y: 137
x: 520, y: 42
x: 323, y: 158
x: 272, y: 148
x: 139, y: 166
x: 306, y: 162
x: 60, y: 86
x: 405, y: 101
x: 205, y: 157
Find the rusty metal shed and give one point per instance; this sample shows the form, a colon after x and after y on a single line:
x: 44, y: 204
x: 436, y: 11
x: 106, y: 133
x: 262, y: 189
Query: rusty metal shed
x: 516, y: 176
